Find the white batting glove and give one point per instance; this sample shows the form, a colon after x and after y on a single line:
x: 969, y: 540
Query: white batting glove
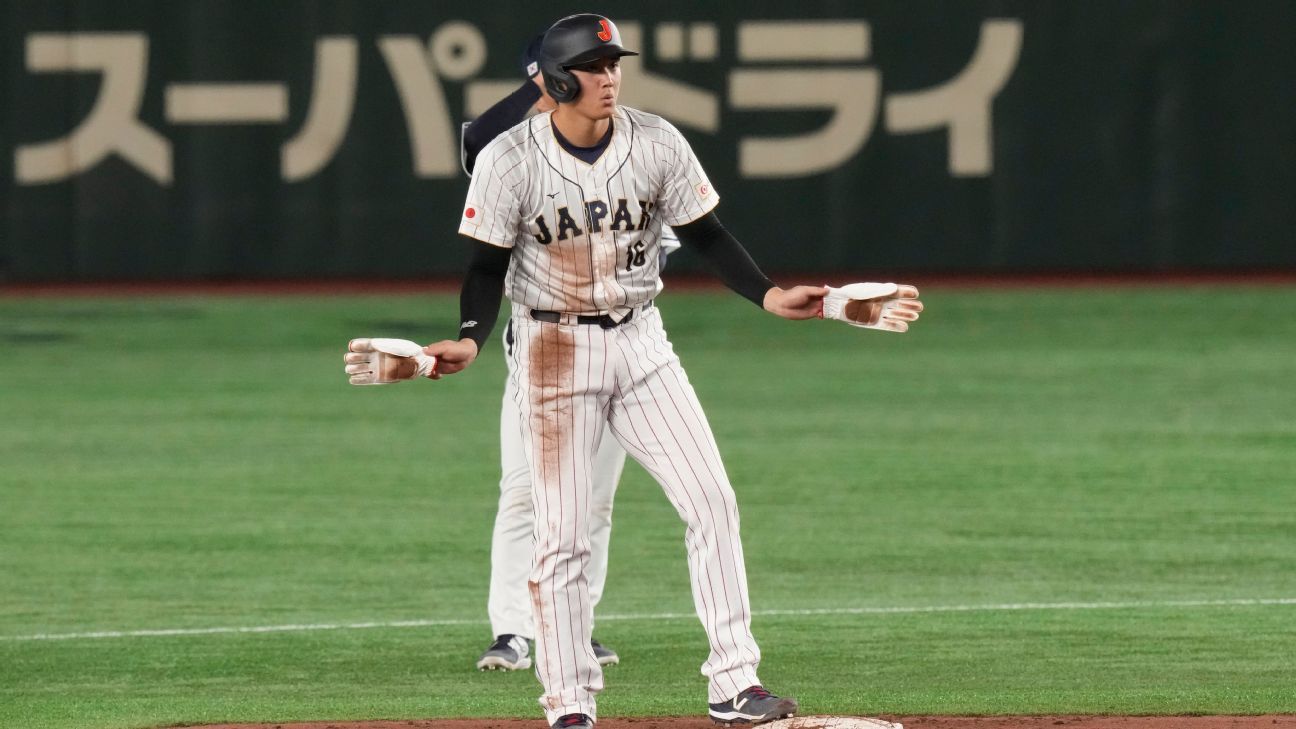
x: 885, y: 306
x: 384, y: 361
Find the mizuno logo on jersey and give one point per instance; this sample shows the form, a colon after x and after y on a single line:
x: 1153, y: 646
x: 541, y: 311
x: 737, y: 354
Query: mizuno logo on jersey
x: 595, y: 213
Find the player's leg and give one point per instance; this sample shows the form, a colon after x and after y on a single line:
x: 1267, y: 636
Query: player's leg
x: 509, y: 604
x: 661, y: 424
x: 559, y: 377
x: 609, y: 462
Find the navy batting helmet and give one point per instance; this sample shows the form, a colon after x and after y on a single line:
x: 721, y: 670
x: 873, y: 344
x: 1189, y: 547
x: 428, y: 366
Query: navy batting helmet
x: 572, y: 41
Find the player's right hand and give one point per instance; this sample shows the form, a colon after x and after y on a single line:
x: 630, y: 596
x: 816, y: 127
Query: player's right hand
x: 452, y: 356
x: 384, y: 361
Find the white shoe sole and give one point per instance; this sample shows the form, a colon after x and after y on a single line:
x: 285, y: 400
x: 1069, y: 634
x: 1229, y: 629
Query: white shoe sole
x: 738, y: 717
x: 494, y: 663
x: 743, y: 721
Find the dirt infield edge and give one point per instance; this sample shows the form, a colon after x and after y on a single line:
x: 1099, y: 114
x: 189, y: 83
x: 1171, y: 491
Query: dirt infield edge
x: 1062, y: 721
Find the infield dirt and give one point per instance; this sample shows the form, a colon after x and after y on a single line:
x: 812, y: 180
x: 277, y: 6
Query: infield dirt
x: 1284, y: 721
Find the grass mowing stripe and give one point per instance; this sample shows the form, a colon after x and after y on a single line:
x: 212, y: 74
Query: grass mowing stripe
x: 899, y: 610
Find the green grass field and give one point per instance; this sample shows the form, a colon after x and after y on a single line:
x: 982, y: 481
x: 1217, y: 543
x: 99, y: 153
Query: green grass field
x: 931, y: 520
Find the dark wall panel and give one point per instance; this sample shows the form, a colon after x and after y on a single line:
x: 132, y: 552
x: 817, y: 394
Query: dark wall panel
x: 1122, y: 135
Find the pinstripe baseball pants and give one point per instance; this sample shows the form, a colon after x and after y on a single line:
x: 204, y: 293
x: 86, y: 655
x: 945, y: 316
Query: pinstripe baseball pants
x: 573, y: 381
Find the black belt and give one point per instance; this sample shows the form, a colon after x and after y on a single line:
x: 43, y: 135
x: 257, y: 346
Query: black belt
x: 603, y: 320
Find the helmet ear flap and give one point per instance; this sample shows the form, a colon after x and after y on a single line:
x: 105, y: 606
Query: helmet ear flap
x: 562, y: 86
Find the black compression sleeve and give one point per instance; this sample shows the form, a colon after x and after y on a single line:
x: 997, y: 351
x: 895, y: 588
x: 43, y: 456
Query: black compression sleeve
x: 479, y: 299
x: 726, y: 256
x: 504, y: 114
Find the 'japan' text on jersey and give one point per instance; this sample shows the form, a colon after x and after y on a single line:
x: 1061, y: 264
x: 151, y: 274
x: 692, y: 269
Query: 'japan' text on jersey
x: 585, y: 237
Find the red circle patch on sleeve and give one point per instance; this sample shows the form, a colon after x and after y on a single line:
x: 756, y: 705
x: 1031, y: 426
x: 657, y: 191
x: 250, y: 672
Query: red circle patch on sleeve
x: 470, y: 213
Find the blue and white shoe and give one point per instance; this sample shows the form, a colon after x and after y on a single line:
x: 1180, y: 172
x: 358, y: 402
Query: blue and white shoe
x: 753, y: 706
x: 606, y: 656
x: 508, y: 653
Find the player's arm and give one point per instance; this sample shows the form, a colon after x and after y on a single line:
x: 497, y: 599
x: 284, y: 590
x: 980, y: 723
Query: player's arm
x: 727, y: 258
x: 510, y: 110
x: 499, y: 118
x: 479, y: 303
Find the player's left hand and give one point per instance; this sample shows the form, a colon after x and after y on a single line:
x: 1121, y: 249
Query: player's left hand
x: 798, y: 302
x: 886, y: 306
x: 383, y: 361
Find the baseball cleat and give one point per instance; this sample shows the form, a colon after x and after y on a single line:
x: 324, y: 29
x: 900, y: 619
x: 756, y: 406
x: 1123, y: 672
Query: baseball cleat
x: 753, y: 706
x: 606, y: 656
x: 508, y: 653
x: 573, y: 721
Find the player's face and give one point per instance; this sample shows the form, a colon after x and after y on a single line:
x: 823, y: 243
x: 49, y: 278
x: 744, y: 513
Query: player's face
x: 600, y: 84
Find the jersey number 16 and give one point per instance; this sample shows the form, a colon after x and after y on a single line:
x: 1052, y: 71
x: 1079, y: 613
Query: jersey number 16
x: 635, y: 256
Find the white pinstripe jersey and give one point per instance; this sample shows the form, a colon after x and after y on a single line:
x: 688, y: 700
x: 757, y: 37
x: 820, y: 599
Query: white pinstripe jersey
x: 586, y: 238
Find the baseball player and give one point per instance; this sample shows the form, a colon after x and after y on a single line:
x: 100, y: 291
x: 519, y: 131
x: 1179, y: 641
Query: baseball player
x: 566, y: 211
x: 509, y: 605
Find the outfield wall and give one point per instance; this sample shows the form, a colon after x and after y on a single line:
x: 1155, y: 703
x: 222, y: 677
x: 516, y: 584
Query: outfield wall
x: 240, y: 139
